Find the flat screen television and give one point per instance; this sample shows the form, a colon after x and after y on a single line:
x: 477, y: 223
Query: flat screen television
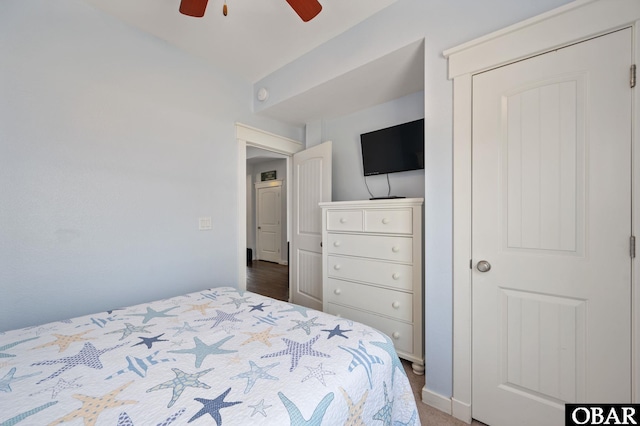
x: 393, y: 149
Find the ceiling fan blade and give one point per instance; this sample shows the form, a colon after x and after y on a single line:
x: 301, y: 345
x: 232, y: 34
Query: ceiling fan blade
x: 193, y: 8
x: 306, y: 9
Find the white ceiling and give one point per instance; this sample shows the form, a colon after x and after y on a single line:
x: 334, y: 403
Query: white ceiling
x: 256, y: 37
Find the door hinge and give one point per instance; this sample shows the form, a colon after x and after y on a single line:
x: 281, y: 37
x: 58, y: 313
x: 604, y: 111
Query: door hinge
x: 632, y: 76
x: 632, y: 246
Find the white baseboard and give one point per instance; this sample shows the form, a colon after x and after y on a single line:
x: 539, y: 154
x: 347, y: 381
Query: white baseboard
x: 461, y: 410
x: 283, y: 262
x: 436, y: 400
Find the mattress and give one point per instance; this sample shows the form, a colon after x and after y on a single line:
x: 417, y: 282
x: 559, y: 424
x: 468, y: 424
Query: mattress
x: 219, y: 356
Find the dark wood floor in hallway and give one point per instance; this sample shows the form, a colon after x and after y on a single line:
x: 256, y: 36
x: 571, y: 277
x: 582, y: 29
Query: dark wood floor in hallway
x: 269, y: 279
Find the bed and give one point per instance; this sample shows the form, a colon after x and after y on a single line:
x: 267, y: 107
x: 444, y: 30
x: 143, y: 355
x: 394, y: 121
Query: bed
x: 219, y: 356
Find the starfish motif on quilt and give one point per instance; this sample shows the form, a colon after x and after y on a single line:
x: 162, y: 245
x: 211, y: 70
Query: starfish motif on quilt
x: 185, y: 327
x: 11, y: 345
x: 63, y: 340
x: 361, y: 357
x: 5, y: 382
x: 268, y: 319
x: 92, y: 407
x: 355, y: 410
x: 129, y: 329
x: 337, y: 332
x: 298, y: 350
x: 384, y: 414
x: 201, y: 308
x: 149, y: 341
x: 59, y: 387
x: 411, y: 422
x: 213, y: 295
x: 20, y: 417
x: 237, y: 291
x: 296, y: 416
x: 306, y: 325
x: 221, y: 317
x: 140, y: 366
x: 264, y: 336
x: 318, y: 373
x: 152, y: 313
x: 88, y: 356
x: 181, y: 382
x: 237, y: 301
x: 125, y: 420
x: 202, y: 350
x: 213, y: 407
x: 259, y: 307
x: 256, y: 372
x: 297, y: 308
x: 260, y: 408
x: 387, y: 346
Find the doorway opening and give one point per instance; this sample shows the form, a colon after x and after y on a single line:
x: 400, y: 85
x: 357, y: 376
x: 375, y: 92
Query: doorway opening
x: 267, y: 237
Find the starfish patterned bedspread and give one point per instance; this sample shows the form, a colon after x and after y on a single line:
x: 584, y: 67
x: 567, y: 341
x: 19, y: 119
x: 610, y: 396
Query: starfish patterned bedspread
x: 219, y: 356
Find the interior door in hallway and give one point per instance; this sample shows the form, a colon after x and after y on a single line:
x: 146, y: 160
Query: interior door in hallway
x: 268, y: 215
x: 551, y: 230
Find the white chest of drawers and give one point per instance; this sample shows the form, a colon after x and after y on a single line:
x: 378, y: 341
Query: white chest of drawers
x: 372, y: 268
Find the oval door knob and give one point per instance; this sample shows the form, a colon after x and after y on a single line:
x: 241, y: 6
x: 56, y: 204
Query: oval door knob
x: 337, y: 291
x: 395, y: 335
x: 336, y: 267
x: 395, y: 305
x: 483, y: 266
x: 337, y: 243
x: 343, y: 220
x: 385, y: 221
x: 395, y: 276
x: 395, y: 249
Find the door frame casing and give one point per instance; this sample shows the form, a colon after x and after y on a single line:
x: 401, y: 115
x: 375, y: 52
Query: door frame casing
x: 572, y: 23
x: 250, y: 136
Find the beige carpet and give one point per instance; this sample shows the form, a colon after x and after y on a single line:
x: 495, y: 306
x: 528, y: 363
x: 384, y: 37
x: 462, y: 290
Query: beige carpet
x: 430, y: 416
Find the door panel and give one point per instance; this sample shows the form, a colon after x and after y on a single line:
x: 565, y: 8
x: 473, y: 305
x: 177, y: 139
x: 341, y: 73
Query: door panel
x: 552, y: 216
x: 269, y: 228
x: 312, y: 185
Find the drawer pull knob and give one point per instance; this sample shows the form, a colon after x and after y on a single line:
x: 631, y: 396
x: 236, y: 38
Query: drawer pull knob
x: 337, y: 266
x: 337, y: 243
x: 395, y: 276
x: 385, y: 221
x: 343, y: 220
x: 337, y: 291
x: 395, y: 305
x: 395, y: 335
x: 395, y: 249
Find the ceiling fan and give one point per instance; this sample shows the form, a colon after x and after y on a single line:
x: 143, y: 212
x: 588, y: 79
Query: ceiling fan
x: 306, y: 9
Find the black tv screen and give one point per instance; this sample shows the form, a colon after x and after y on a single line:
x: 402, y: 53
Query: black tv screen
x: 394, y: 149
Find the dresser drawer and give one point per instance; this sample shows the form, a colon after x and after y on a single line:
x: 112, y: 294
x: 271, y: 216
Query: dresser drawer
x: 344, y: 220
x: 392, y: 221
x: 397, y: 249
x: 391, y: 303
x: 401, y: 334
x: 383, y: 273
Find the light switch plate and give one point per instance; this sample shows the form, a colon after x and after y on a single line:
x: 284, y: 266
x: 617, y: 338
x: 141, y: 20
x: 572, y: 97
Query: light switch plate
x: 204, y: 223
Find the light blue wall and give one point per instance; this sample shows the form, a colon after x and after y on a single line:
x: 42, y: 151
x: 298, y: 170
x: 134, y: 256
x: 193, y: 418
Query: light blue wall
x: 442, y: 24
x: 347, y: 177
x: 112, y: 144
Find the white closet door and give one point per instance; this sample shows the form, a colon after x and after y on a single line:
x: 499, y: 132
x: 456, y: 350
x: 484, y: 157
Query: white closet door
x: 552, y: 217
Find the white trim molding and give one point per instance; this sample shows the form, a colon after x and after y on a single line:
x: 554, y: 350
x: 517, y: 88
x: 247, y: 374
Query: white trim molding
x: 436, y: 400
x: 574, y: 22
x: 250, y: 136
